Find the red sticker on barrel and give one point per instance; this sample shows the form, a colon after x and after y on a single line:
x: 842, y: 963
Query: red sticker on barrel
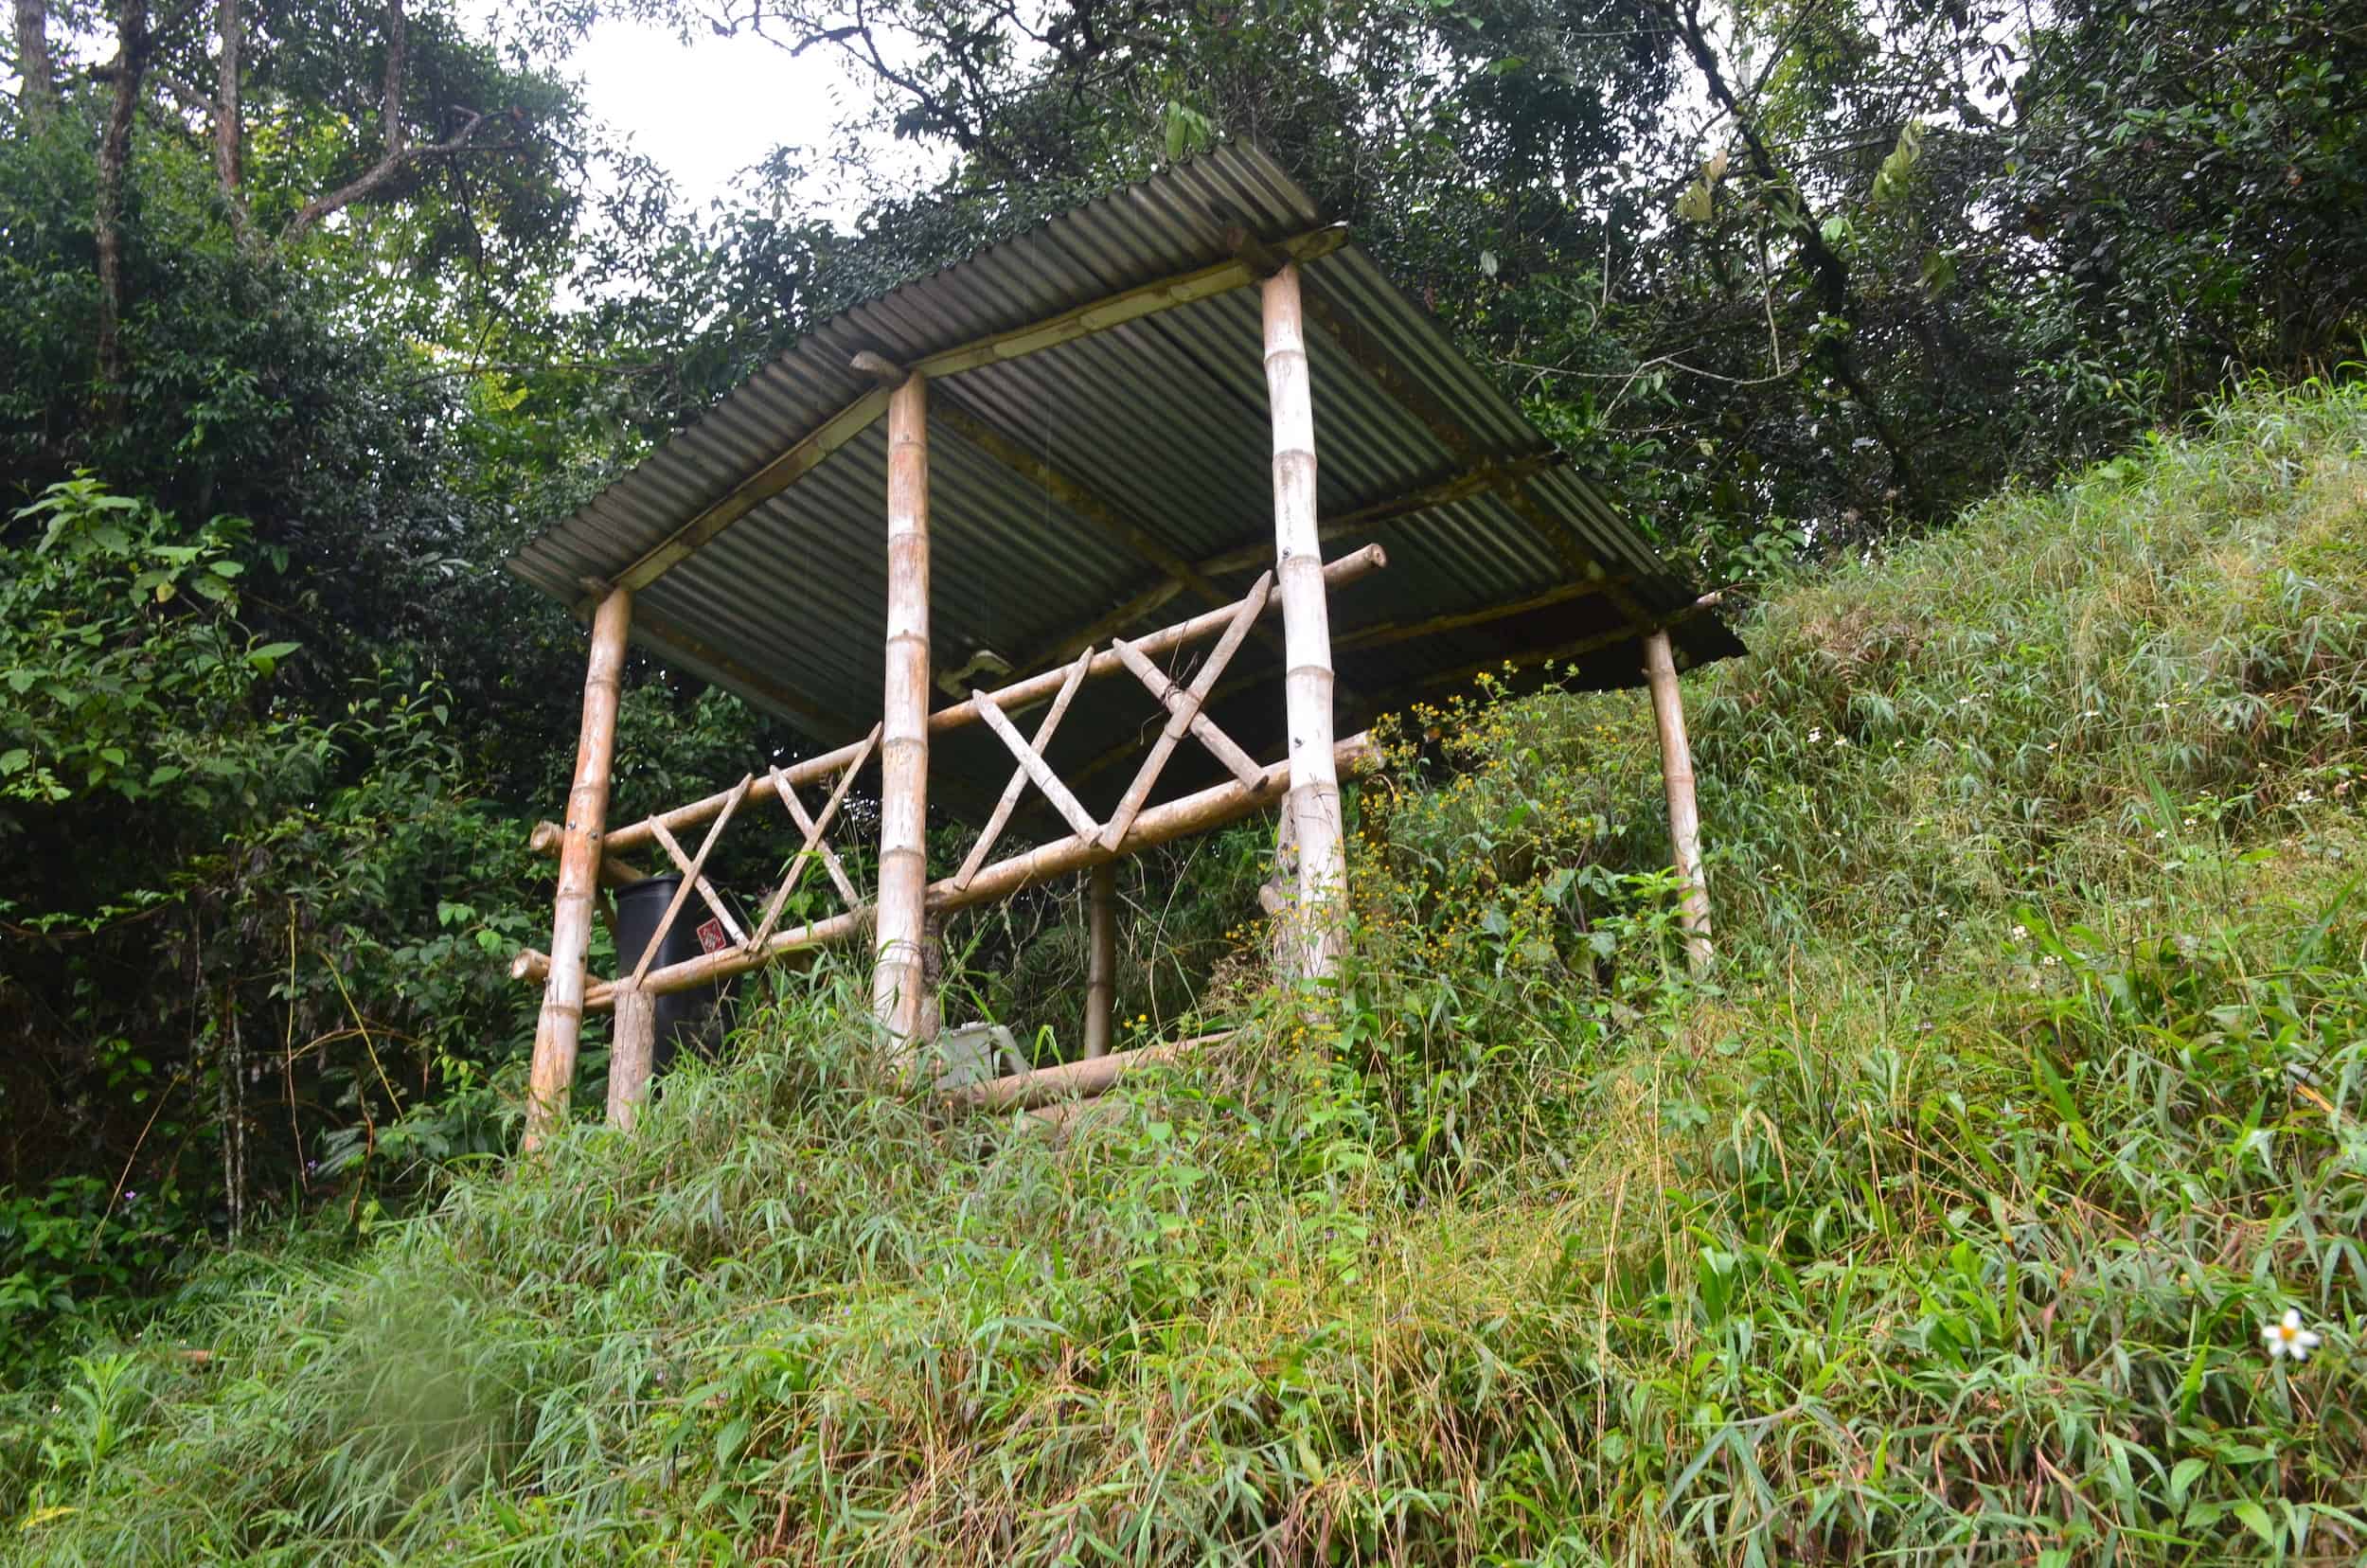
x: 711, y: 937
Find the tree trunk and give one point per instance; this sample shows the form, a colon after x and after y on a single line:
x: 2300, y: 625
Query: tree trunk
x: 115, y: 150
x: 38, y: 94
x: 228, y: 131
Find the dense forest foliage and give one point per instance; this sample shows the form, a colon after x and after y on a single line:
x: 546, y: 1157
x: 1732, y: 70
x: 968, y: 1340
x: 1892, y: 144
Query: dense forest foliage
x: 313, y: 311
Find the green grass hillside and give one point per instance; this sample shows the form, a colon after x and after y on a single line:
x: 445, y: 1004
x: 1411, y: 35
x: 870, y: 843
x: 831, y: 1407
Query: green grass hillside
x: 1940, y: 1224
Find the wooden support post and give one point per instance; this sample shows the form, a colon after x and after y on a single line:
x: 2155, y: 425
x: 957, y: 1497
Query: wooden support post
x: 553, y: 1074
x: 1684, y: 817
x: 1101, y: 960
x: 900, y: 975
x: 632, y: 1048
x: 1314, y: 799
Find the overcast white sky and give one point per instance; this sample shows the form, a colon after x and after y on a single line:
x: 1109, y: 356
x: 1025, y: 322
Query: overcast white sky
x: 709, y: 109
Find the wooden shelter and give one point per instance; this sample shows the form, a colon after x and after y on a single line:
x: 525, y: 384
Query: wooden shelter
x: 1176, y: 489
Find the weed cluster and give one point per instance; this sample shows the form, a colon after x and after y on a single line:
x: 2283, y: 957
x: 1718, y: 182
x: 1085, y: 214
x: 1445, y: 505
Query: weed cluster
x: 1940, y: 1222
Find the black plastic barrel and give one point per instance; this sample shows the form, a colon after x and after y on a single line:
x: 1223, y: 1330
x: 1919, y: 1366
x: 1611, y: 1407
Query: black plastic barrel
x: 685, y: 1018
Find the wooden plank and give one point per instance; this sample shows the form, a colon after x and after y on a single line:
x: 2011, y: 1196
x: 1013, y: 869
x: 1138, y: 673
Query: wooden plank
x: 692, y: 878
x: 672, y: 637
x: 1118, y: 309
x: 813, y: 828
x: 1001, y: 815
x: 1172, y: 698
x: 1045, y: 779
x: 1445, y: 491
x: 1458, y: 486
x: 759, y: 488
x: 1565, y: 543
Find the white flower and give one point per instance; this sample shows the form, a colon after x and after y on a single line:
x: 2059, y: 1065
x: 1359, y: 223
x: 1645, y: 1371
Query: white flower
x: 2021, y: 933
x: 2287, y: 1337
x: 1815, y: 735
x: 2304, y: 798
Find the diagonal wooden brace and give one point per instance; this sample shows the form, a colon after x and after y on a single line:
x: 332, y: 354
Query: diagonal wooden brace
x: 1001, y: 815
x: 691, y: 878
x: 1183, y: 712
x: 1045, y: 779
x: 814, y: 828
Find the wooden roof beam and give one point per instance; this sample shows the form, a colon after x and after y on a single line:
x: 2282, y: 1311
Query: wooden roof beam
x: 1091, y: 505
x: 1458, y: 486
x: 1099, y: 315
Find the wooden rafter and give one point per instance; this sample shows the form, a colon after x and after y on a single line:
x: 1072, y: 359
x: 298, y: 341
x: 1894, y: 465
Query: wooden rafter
x: 1001, y: 815
x: 1084, y: 501
x: 1459, y: 486
x: 1547, y: 655
x: 1385, y: 633
x: 1565, y: 543
x: 997, y: 349
x: 674, y: 635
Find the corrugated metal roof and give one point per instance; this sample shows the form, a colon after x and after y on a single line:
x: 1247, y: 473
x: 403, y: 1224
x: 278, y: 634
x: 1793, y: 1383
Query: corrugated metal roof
x: 1164, y: 420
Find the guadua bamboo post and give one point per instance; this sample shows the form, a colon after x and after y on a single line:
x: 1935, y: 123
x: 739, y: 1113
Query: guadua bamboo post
x: 900, y: 978
x: 1684, y: 817
x: 553, y: 1074
x: 632, y: 1047
x: 1101, y: 957
x: 1313, y: 803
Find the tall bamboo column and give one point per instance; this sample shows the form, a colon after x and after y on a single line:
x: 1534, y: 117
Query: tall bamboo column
x: 1684, y: 817
x: 553, y: 1074
x: 899, y: 979
x: 1314, y: 803
x: 1101, y: 957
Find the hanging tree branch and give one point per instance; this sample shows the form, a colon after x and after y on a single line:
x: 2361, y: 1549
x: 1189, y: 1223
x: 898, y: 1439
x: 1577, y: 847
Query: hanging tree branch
x: 1827, y: 271
x: 399, y: 152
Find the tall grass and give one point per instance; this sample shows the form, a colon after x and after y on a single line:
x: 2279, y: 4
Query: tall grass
x: 1938, y: 1227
